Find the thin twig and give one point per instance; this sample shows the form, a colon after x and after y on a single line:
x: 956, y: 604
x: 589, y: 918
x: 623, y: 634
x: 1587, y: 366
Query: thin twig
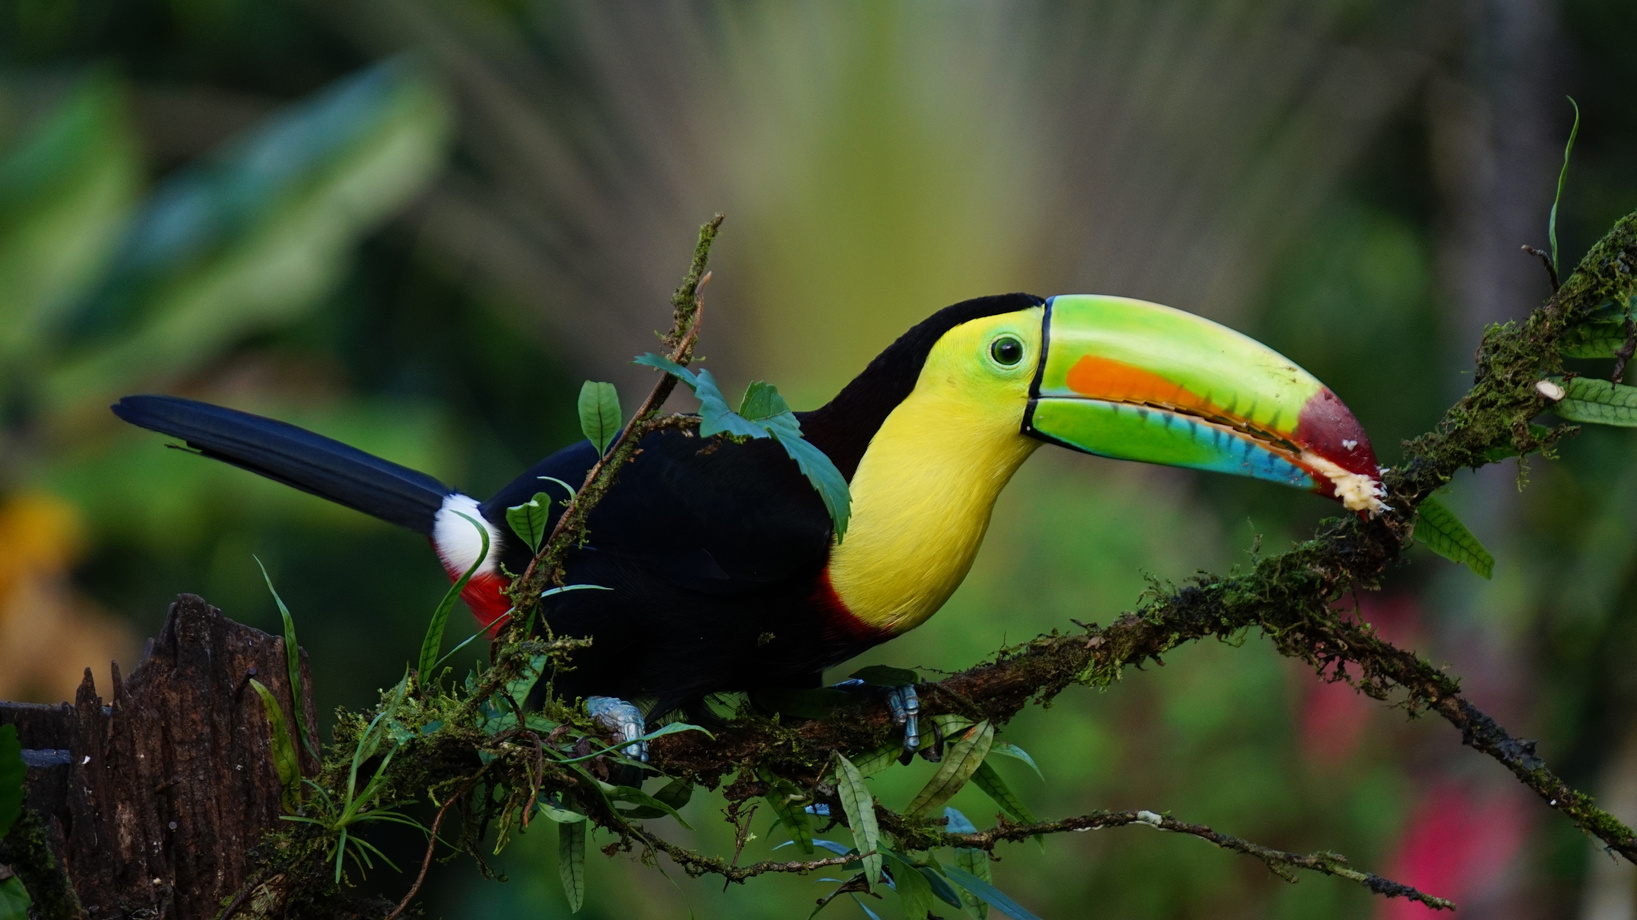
x: 1546, y: 260
x: 1280, y: 862
x: 1627, y: 348
x: 698, y: 864
x: 546, y: 566
x: 432, y: 841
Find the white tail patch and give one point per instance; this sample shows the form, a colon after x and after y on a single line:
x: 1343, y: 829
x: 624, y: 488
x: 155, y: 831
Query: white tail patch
x: 458, y: 542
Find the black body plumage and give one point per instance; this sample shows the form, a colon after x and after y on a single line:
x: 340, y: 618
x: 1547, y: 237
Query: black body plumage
x: 712, y: 553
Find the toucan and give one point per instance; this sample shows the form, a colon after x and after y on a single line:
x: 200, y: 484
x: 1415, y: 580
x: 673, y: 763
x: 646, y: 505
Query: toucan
x: 719, y: 565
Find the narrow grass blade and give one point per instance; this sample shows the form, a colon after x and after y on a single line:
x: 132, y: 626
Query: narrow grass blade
x: 1438, y: 529
x: 292, y: 661
x: 961, y: 760
x: 440, y: 617
x: 859, y: 805
x: 1562, y: 176
x: 571, y: 862
x: 285, y: 759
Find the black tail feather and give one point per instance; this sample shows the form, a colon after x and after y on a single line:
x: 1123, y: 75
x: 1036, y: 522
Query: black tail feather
x: 295, y: 457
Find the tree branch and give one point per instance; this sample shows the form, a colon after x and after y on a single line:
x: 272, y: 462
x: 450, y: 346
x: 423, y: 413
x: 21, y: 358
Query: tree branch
x: 1290, y: 597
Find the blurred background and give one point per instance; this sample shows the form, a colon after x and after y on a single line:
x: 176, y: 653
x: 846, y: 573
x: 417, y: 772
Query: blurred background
x: 416, y: 226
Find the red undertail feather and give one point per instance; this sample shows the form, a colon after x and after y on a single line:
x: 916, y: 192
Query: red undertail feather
x: 486, y: 595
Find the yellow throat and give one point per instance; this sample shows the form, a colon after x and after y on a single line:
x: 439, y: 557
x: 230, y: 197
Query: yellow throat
x: 924, y: 490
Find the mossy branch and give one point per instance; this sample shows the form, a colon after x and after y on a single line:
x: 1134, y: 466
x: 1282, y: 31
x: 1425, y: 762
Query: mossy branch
x: 1291, y: 597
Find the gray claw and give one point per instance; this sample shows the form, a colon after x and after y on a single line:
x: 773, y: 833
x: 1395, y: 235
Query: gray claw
x: 904, y: 703
x: 621, y: 718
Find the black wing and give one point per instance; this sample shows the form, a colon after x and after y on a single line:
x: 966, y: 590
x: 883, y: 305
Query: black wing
x: 708, y: 515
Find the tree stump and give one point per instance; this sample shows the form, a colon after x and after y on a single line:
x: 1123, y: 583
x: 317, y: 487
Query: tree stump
x: 150, y: 803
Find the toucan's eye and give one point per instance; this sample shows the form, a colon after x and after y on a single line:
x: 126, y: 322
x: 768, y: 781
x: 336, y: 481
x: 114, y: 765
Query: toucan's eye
x: 1006, y: 350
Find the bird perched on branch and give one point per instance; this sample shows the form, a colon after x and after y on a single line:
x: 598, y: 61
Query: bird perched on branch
x: 722, y: 568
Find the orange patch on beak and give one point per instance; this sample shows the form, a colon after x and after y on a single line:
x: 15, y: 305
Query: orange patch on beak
x: 1116, y: 381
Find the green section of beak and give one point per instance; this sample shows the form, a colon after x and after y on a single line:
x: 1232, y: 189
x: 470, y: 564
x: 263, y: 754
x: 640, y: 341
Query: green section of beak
x: 1138, y: 381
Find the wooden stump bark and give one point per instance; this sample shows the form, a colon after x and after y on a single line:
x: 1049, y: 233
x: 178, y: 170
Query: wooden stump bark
x: 151, y: 801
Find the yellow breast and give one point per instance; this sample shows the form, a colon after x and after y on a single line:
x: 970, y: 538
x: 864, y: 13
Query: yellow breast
x: 924, y: 490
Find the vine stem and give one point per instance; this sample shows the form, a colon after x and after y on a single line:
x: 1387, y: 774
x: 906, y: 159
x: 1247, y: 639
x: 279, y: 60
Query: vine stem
x: 545, y: 568
x: 432, y: 842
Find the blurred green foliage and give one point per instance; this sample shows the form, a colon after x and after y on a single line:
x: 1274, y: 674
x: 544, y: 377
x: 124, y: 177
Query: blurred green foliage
x: 270, y: 205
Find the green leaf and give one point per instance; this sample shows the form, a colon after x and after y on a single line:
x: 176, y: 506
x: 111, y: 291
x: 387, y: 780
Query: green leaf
x: 571, y: 862
x: 961, y: 760
x: 989, y: 780
x: 531, y: 520
x: 1593, y: 340
x: 789, y: 805
x: 14, y: 900
x: 675, y: 793
x: 988, y: 893
x: 292, y: 661
x: 859, y: 805
x: 647, y: 805
x: 440, y: 617
x: 941, y: 888
x: 13, y: 773
x: 1438, y: 529
x: 762, y: 401
x: 1562, y: 175
x: 971, y: 859
x: 881, y: 675
x: 1597, y: 402
x: 668, y: 366
x: 985, y: 778
x: 816, y: 465
x: 715, y: 417
x: 914, y: 891
x: 600, y: 418
x: 948, y: 723
x: 1006, y: 749
x: 285, y: 759
x: 558, y: 813
x: 880, y: 759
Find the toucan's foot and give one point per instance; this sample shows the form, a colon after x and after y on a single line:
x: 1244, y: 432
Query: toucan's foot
x: 621, y: 718
x: 902, y: 701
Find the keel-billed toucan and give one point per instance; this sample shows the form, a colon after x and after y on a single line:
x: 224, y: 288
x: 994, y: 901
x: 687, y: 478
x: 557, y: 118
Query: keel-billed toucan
x: 719, y: 559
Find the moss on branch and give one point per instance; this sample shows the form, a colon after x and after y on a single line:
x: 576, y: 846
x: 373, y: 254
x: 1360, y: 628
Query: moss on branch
x: 1292, y: 597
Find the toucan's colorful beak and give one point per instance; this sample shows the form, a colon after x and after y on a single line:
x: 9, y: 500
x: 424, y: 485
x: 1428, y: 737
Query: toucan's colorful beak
x: 1138, y: 381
